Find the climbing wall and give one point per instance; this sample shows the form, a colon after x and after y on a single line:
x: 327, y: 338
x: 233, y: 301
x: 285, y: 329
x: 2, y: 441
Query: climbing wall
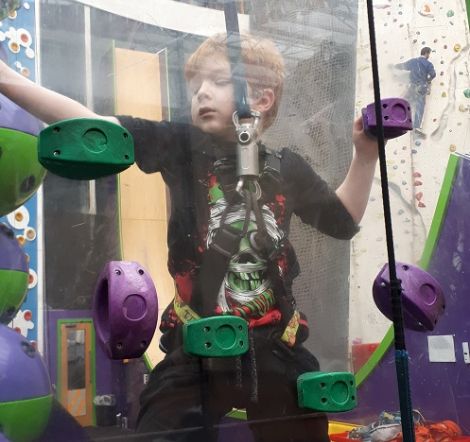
x: 17, y: 48
x: 439, y: 363
x: 416, y: 163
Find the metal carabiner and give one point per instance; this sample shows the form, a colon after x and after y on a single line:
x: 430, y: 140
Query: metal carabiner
x: 241, y: 187
x: 246, y: 131
x: 247, y: 147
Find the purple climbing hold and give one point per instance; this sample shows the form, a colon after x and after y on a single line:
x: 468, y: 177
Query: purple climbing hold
x: 125, y: 309
x: 422, y: 296
x: 15, y: 118
x: 12, y: 256
x: 396, y: 116
x: 23, y: 373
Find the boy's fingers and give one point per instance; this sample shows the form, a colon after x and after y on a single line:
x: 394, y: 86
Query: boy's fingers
x: 359, y: 124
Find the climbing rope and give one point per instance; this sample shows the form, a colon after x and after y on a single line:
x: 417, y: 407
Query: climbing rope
x: 401, y: 354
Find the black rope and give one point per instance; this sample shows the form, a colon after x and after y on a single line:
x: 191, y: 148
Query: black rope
x: 249, y: 208
x: 401, y: 355
x: 253, y: 369
x: 234, y: 54
x: 260, y: 224
x: 206, y: 406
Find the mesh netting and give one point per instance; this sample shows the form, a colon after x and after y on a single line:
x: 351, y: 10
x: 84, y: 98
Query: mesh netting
x: 318, y: 42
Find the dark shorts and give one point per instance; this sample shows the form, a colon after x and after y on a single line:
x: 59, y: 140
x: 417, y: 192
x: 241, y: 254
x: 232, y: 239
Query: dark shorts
x: 186, y: 397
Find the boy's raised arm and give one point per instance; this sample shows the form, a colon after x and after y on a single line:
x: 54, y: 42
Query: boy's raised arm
x: 354, y: 191
x: 46, y: 105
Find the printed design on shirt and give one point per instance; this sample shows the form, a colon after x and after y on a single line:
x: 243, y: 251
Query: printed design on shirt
x: 262, y: 309
x: 247, y: 289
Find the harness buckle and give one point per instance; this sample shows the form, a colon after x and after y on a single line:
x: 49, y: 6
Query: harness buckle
x: 226, y: 241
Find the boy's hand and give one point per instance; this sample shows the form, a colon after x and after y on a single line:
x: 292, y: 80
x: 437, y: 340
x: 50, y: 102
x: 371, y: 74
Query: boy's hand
x: 367, y: 148
x: 354, y: 191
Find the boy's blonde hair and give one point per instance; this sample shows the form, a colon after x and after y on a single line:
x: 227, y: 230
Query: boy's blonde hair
x: 264, y: 65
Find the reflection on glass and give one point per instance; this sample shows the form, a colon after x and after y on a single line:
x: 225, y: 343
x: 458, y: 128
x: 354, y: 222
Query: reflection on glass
x: 76, y: 359
x: 421, y: 74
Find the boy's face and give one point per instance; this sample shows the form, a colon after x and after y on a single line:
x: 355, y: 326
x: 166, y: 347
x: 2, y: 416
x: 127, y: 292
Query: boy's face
x: 212, y: 102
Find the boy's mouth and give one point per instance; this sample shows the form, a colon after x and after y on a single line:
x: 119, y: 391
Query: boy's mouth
x: 205, y: 111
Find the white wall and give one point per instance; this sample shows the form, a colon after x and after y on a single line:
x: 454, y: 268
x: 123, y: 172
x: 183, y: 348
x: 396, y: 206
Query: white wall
x: 169, y: 14
x: 415, y: 167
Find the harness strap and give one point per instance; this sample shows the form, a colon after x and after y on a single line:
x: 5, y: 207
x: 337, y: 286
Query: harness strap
x: 217, y: 258
x: 186, y: 314
x: 214, y: 267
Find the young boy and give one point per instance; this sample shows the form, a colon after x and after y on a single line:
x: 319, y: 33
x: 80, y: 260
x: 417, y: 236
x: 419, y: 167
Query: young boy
x: 198, y: 164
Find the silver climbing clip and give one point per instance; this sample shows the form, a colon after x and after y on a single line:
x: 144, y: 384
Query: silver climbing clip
x: 247, y: 148
x: 240, y: 188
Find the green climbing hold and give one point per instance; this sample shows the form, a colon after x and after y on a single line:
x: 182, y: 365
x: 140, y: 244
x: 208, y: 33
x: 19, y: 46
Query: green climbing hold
x: 14, y: 285
x: 85, y: 148
x: 14, y: 415
x: 328, y: 392
x: 466, y: 92
x: 20, y: 172
x: 216, y: 337
x: 450, y: 13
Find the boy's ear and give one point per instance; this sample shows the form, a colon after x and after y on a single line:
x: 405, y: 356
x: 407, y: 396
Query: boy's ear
x: 263, y: 100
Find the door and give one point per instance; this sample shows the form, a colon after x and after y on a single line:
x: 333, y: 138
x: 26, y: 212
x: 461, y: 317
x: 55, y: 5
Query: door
x: 75, y: 387
x: 144, y: 215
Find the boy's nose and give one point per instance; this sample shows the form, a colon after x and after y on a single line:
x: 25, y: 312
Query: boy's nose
x: 204, y: 90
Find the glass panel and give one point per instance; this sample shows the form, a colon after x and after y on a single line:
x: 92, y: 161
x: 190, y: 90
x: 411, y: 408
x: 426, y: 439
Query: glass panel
x: 283, y: 231
x: 78, y: 220
x: 76, y: 359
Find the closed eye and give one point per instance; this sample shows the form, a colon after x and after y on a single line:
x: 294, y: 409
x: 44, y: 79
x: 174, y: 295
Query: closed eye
x: 223, y: 81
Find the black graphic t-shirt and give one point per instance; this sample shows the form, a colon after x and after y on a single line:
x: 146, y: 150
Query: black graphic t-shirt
x: 199, y: 171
